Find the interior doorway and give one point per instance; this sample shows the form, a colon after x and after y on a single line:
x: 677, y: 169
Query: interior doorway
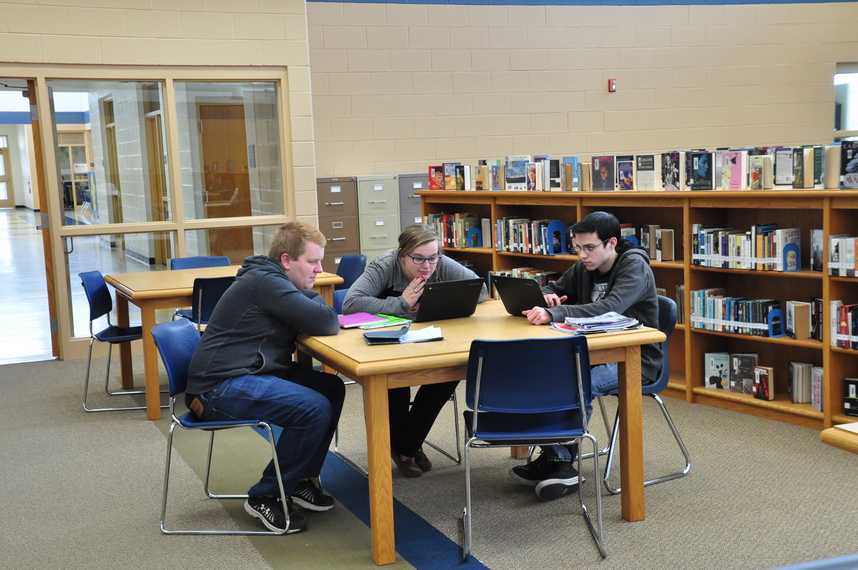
x: 223, y: 141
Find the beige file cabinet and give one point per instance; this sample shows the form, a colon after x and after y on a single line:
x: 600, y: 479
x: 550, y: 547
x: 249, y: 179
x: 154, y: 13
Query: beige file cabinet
x: 338, y: 218
x: 378, y: 214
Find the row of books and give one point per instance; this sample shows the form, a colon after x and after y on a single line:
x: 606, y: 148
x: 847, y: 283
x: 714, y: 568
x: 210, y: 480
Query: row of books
x: 850, y: 396
x: 844, y: 325
x: 658, y: 241
x: 742, y: 168
x: 523, y: 235
x: 764, y: 247
x: 741, y: 373
x: 461, y: 230
x: 712, y: 309
x: 842, y: 260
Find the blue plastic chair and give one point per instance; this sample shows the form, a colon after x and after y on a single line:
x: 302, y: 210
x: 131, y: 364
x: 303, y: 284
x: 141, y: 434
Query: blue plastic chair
x: 199, y: 261
x: 207, y: 293
x: 100, y: 304
x: 529, y: 392
x: 666, y: 324
x: 350, y: 268
x: 339, y: 297
x: 176, y: 342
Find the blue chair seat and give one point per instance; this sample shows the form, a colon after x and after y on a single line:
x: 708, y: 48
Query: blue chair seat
x: 115, y: 334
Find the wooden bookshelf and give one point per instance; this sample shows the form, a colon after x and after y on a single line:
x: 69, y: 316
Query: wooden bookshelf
x: 835, y: 211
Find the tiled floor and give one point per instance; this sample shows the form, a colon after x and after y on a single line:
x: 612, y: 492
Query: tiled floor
x: 25, y: 323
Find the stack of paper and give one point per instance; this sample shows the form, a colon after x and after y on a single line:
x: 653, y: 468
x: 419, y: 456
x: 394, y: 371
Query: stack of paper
x: 601, y: 323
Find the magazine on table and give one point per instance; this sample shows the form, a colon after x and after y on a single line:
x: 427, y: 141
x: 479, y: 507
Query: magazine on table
x: 607, y: 322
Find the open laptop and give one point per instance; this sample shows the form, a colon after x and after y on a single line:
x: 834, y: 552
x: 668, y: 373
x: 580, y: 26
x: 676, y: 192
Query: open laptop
x: 518, y: 294
x: 449, y: 300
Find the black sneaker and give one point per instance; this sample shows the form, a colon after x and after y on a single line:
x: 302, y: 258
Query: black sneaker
x: 532, y: 473
x: 270, y: 511
x: 563, y: 480
x: 307, y: 496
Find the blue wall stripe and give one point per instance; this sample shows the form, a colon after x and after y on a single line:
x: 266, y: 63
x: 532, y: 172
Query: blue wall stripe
x: 588, y: 2
x: 63, y: 118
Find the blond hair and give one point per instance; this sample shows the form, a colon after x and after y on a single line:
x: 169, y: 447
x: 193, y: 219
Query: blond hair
x: 292, y: 238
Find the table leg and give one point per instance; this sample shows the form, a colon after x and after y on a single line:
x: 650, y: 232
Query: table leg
x: 150, y: 363
x: 125, y: 365
x: 631, y: 435
x: 380, y: 471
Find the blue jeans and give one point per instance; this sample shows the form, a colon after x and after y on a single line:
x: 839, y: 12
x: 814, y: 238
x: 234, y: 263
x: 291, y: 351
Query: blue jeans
x: 603, y: 379
x: 307, y: 406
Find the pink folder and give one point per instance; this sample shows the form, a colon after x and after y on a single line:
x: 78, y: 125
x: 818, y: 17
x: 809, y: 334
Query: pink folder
x: 357, y: 319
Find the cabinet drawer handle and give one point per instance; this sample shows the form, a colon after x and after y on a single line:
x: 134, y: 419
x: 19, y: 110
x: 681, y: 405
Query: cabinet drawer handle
x: 334, y: 203
x: 377, y: 202
x: 412, y: 196
x: 336, y: 239
x: 378, y: 237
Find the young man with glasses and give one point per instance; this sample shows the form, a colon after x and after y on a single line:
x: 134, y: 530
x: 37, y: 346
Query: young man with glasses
x: 611, y: 274
x: 392, y: 285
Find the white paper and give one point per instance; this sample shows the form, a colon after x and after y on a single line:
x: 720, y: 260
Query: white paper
x: 429, y: 333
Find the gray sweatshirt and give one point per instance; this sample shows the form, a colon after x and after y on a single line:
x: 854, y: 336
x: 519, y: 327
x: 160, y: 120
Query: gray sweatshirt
x: 379, y: 289
x: 631, y: 292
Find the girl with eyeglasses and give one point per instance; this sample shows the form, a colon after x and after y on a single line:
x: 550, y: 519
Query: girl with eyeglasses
x: 392, y: 285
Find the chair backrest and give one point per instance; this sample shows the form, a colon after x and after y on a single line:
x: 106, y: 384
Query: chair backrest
x: 339, y: 297
x: 176, y: 341
x: 350, y: 268
x: 199, y: 261
x: 97, y: 294
x: 666, y: 324
x: 528, y: 375
x: 207, y: 293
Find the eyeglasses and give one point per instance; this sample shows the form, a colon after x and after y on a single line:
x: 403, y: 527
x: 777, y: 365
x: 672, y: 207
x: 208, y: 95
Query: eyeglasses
x: 418, y: 260
x: 590, y: 248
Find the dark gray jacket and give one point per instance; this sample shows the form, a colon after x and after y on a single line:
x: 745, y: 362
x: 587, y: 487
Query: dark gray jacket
x: 252, y: 330
x: 631, y: 292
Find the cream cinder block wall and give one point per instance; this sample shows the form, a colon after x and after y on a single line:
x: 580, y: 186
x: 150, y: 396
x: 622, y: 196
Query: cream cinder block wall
x: 399, y: 87
x: 196, y: 33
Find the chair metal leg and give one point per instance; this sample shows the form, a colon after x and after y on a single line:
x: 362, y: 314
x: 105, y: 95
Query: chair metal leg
x: 595, y: 529
x: 271, y: 441
x: 607, y: 447
x: 106, y: 381
x: 466, y: 513
x: 676, y: 436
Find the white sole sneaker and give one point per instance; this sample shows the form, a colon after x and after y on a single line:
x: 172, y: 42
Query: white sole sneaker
x: 551, y: 489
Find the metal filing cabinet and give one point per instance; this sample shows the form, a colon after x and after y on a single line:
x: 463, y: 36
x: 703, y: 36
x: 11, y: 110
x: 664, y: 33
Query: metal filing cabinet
x: 338, y: 218
x: 378, y: 214
x: 409, y: 202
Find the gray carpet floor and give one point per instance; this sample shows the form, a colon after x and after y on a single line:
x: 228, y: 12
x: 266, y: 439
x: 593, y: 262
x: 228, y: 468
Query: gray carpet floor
x: 83, y: 490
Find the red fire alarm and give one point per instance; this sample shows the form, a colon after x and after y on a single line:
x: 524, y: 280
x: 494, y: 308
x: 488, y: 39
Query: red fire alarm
x: 612, y: 85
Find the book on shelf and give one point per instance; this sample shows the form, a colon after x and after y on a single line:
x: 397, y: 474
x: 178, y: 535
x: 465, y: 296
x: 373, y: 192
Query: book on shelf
x: 799, y: 381
x: 486, y: 227
x: 850, y: 396
x: 734, y: 170
x: 701, y: 171
x: 630, y: 234
x: 436, y: 177
x: 817, y: 377
x: 816, y: 324
x: 664, y: 244
x: 551, y: 176
x: 533, y: 181
x: 604, y: 176
x: 680, y: 303
x: 742, y: 372
x: 818, y: 165
x: 647, y: 173
x: 783, y: 167
x: 625, y: 172
x: 450, y: 175
x: 831, y: 176
x: 849, y: 164
x: 496, y: 177
x: 569, y: 173
x: 816, y: 241
x: 516, y: 172
x: 648, y: 238
x: 787, y: 249
x: 673, y: 170
x: 760, y: 235
x: 717, y: 370
x: 760, y: 172
x: 834, y: 324
x: 764, y: 383
x: 481, y: 175
x: 798, y: 319
x: 802, y: 167
x: 845, y: 330
x: 837, y: 254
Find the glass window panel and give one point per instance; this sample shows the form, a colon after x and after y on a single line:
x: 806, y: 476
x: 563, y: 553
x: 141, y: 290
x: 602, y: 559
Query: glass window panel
x: 4, y: 192
x: 111, y: 154
x: 846, y: 102
x: 3, y: 141
x: 230, y: 242
x: 229, y: 142
x: 113, y: 253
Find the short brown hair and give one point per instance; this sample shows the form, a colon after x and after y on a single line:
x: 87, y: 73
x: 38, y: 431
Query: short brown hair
x: 292, y: 238
x: 416, y: 235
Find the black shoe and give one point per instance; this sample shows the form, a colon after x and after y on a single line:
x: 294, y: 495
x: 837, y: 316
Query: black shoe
x: 307, y: 496
x: 563, y: 480
x: 422, y: 461
x: 532, y: 473
x: 270, y: 511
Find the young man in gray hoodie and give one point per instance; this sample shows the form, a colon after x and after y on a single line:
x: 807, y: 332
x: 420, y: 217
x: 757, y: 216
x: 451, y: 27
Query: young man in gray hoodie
x: 243, y: 369
x: 612, y: 274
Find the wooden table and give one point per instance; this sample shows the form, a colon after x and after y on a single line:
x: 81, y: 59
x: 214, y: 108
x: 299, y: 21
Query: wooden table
x: 378, y: 368
x: 150, y: 290
x: 842, y: 436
